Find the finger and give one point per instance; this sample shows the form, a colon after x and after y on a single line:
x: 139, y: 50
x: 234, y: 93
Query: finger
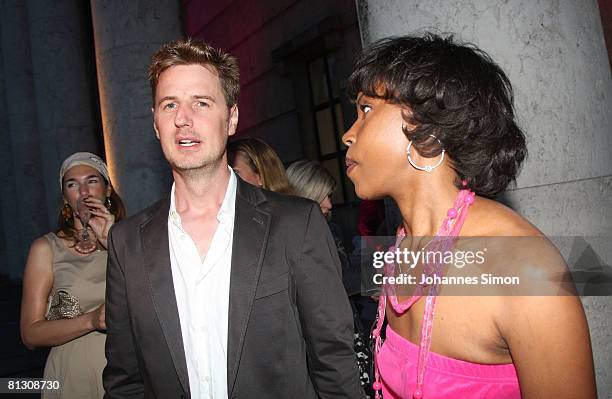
x: 97, y: 205
x: 93, y: 200
x: 104, y: 214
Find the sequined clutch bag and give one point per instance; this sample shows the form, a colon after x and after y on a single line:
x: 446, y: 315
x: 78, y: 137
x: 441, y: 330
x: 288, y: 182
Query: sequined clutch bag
x: 62, y: 305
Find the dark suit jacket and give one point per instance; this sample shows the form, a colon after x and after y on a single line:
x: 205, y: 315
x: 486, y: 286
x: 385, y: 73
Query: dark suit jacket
x: 290, y: 324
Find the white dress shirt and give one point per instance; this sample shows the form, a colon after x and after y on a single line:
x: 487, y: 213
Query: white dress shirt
x: 202, y: 297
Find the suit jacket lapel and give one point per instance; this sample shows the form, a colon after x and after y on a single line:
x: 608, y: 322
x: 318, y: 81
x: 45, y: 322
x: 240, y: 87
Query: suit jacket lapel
x: 154, y: 235
x: 251, y: 227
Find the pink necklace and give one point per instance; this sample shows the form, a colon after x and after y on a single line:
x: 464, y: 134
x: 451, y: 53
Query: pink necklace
x: 443, y: 241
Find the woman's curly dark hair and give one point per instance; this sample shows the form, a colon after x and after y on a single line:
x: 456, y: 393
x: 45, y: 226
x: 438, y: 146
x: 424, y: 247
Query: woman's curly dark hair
x: 454, y: 92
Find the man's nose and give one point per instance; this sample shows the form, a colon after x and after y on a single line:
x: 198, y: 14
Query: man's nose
x: 183, y: 117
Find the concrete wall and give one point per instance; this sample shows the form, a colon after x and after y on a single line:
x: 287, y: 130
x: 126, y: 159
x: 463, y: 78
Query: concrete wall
x: 126, y: 35
x: 50, y: 106
x: 269, y: 99
x: 274, y: 45
x: 7, y: 182
x: 64, y: 87
x: 555, y: 55
x: 49, y: 113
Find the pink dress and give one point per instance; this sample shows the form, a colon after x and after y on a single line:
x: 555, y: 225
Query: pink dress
x: 404, y: 370
x: 445, y: 378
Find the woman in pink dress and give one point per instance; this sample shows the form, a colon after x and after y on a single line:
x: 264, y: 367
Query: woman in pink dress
x: 435, y: 131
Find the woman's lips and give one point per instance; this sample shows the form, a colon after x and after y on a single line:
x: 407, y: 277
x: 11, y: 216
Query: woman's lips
x: 350, y: 165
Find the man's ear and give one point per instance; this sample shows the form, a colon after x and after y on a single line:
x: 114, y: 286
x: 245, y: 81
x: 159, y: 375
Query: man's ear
x: 233, y: 120
x: 154, y: 124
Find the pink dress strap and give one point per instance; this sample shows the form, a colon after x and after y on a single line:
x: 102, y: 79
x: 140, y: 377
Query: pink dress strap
x: 443, y: 241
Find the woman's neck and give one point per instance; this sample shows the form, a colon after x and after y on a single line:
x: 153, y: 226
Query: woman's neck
x: 425, y: 205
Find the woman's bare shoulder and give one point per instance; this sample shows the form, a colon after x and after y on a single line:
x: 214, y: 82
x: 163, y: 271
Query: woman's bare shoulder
x: 40, y: 259
x: 491, y: 218
x: 40, y: 246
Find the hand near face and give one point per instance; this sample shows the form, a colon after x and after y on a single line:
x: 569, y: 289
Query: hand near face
x: 101, y: 219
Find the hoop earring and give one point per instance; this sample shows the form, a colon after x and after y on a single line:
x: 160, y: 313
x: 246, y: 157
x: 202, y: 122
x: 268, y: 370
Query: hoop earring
x: 67, y: 212
x: 108, y: 203
x: 426, y: 168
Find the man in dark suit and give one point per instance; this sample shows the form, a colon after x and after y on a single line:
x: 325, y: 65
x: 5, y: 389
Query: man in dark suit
x: 221, y: 290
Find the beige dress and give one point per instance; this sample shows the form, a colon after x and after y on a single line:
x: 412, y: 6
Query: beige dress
x: 78, y: 364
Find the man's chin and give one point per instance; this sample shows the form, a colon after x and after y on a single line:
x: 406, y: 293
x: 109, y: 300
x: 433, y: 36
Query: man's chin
x: 194, y: 165
x: 184, y: 162
x: 185, y: 166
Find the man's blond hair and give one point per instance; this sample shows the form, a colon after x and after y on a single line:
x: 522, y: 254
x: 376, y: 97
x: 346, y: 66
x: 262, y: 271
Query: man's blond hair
x: 196, y: 52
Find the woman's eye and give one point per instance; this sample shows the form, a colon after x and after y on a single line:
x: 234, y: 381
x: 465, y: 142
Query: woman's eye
x: 93, y: 181
x: 365, y: 108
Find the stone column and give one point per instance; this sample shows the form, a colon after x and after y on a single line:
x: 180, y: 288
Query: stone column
x: 64, y: 87
x: 126, y: 35
x: 7, y: 184
x: 23, y: 190
x: 555, y: 55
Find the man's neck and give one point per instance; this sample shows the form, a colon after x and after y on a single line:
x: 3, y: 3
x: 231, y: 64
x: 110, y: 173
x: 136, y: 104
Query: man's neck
x: 200, y: 192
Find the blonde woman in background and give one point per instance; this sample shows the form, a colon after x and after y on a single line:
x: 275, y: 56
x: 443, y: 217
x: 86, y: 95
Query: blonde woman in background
x: 258, y: 164
x: 311, y: 180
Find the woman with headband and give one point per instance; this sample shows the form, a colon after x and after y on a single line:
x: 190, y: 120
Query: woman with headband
x: 64, y: 280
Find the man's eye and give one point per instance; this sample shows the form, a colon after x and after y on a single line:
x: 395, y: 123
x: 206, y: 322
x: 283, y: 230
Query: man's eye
x: 169, y: 106
x: 202, y: 104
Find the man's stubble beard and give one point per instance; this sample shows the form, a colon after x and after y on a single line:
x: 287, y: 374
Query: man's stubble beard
x: 193, y: 168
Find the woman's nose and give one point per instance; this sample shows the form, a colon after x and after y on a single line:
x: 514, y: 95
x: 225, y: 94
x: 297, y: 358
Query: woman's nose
x: 348, y: 138
x: 327, y: 204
